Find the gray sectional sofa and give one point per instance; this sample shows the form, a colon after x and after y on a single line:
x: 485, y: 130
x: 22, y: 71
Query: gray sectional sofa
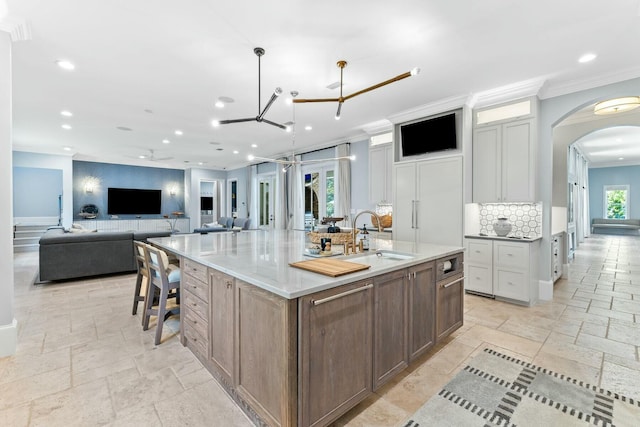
x: 225, y: 223
x: 66, y: 255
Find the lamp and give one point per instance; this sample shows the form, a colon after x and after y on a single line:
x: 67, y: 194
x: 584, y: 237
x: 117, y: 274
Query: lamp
x: 340, y: 100
x: 288, y: 163
x: 617, y: 105
x: 260, y: 117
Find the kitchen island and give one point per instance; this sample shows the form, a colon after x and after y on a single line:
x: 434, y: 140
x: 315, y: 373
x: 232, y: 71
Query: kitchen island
x: 298, y: 348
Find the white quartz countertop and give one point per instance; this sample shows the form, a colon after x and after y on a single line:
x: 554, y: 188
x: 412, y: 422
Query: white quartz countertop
x: 262, y: 258
x: 526, y: 239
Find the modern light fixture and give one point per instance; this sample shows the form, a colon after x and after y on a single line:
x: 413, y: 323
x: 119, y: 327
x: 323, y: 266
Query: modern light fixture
x: 65, y: 65
x: 287, y: 163
x: 260, y: 117
x: 66, y: 127
x: 617, y: 105
x: 340, y: 100
x: 66, y: 113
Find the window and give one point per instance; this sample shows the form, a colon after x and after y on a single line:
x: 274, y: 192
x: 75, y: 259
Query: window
x: 234, y: 196
x: 615, y: 201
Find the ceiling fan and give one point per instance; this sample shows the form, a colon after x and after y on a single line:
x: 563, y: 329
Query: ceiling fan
x: 152, y: 157
x: 340, y: 100
x: 260, y: 117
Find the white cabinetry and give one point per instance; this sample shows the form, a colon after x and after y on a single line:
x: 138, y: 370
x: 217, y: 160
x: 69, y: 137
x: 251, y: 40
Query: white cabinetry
x: 505, y: 159
x: 428, y: 204
x: 380, y: 165
x: 505, y: 269
x: 557, y: 255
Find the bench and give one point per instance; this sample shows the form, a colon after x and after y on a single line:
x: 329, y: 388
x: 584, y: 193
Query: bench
x: 615, y: 226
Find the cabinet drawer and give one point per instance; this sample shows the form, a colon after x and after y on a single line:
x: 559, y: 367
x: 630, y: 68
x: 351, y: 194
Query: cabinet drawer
x: 479, y: 279
x: 196, y: 342
x: 512, y: 284
x: 190, y: 302
x: 196, y: 287
x: 196, y: 270
x: 512, y: 255
x: 196, y: 322
x: 479, y: 251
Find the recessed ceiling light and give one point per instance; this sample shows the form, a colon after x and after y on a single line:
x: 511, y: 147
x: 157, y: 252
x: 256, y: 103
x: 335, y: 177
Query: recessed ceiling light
x: 178, y: 132
x: 215, y: 123
x: 254, y: 145
x: 142, y: 156
x: 165, y: 141
x: 308, y: 127
x: 219, y: 104
x: 587, y: 57
x: 66, y: 126
x: 65, y: 65
x: 200, y: 163
x: 66, y: 148
x: 235, y: 151
x: 66, y: 113
x: 620, y: 158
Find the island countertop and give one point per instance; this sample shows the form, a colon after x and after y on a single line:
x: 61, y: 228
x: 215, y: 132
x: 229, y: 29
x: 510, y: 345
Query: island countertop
x: 262, y: 258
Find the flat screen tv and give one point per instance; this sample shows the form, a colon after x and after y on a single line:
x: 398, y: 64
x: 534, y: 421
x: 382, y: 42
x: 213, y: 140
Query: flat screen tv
x: 206, y: 203
x: 431, y: 135
x: 133, y: 201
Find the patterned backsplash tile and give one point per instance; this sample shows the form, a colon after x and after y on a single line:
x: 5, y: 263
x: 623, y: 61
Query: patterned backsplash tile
x: 526, y: 218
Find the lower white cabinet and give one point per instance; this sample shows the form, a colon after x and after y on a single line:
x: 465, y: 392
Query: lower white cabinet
x: 557, y: 255
x: 503, y: 268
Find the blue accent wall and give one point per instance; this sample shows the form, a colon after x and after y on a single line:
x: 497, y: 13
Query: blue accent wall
x: 620, y: 175
x: 104, y: 175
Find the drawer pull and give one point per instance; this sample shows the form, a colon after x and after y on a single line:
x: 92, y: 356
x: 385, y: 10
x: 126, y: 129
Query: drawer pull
x: 446, y: 285
x: 343, y: 294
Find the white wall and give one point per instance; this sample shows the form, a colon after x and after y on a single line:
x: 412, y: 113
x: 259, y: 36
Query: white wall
x: 47, y: 161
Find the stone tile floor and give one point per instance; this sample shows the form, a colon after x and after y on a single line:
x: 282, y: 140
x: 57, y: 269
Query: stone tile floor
x: 84, y: 360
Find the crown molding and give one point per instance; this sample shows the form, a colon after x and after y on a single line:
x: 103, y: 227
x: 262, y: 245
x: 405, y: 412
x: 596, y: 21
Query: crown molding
x: 551, y: 91
x: 18, y: 28
x: 510, y: 92
x: 378, y: 127
x: 430, y: 109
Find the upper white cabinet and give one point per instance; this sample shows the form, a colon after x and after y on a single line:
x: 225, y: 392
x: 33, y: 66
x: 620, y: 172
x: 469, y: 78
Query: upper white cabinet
x: 504, y: 160
x: 428, y: 202
x: 380, y: 164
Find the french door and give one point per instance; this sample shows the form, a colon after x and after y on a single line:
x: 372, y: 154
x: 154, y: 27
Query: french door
x: 266, y: 201
x: 319, y: 192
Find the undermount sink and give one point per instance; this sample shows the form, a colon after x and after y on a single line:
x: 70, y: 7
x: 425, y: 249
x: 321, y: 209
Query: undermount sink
x: 383, y: 253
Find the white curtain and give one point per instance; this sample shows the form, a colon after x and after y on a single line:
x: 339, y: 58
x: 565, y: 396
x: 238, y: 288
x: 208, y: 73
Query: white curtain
x: 586, y: 212
x: 280, y: 220
x: 252, y: 194
x: 343, y: 184
x: 296, y: 197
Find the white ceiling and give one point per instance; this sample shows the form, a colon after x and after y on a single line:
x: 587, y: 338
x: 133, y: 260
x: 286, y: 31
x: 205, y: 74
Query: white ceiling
x: 158, y: 66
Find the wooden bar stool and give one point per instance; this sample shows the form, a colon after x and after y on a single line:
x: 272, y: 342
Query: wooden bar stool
x: 166, y: 278
x: 143, y: 273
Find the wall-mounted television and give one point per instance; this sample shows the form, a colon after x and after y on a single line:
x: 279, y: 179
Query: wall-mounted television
x: 206, y: 203
x: 433, y: 134
x: 133, y: 201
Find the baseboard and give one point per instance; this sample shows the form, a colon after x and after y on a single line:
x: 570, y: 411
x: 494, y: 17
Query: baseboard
x: 8, y: 339
x: 545, y: 290
x: 565, y: 271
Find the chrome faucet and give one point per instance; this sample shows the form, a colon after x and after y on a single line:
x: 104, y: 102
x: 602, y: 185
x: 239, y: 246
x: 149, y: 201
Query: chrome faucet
x: 353, y: 227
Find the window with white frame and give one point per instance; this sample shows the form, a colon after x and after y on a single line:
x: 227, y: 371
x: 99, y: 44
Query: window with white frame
x: 616, y: 199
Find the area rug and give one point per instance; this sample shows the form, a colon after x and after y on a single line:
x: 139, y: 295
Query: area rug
x: 499, y: 390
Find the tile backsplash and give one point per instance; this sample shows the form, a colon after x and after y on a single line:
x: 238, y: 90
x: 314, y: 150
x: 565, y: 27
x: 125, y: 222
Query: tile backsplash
x: 526, y: 218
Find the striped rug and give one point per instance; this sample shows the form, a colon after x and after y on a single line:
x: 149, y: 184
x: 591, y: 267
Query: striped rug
x: 499, y: 390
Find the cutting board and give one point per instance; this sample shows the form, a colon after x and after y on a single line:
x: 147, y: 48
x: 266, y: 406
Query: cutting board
x: 330, y: 267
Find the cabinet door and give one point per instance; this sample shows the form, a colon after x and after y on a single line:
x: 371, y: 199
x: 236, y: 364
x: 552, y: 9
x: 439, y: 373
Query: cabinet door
x: 421, y: 283
x: 518, y: 162
x: 404, y: 182
x: 380, y: 162
x: 486, y: 164
x: 440, y: 202
x: 389, y: 326
x: 335, y: 342
x: 449, y: 305
x: 479, y: 251
x: 221, y: 322
x: 479, y: 278
x: 512, y: 284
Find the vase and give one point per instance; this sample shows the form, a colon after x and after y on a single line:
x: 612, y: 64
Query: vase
x: 502, y: 227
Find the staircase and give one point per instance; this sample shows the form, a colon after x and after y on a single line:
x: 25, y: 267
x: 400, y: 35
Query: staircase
x: 26, y: 237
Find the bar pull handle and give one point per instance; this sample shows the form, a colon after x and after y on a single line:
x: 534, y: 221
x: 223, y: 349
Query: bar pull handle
x: 446, y: 285
x: 413, y: 214
x: 343, y: 294
x: 415, y: 210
